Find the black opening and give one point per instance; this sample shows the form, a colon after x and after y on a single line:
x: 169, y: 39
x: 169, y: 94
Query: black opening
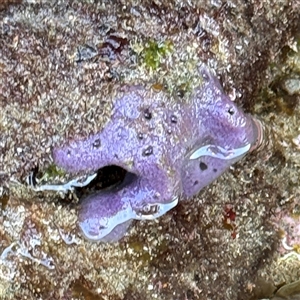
x: 107, y: 176
x: 203, y: 166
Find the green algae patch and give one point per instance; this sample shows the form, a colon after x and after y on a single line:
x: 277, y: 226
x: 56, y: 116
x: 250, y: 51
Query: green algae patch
x: 154, y: 52
x: 53, y: 171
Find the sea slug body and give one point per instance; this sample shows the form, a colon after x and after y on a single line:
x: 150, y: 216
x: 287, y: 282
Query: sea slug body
x: 170, y: 150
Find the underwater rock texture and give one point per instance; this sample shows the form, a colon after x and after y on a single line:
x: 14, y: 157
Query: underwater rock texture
x: 61, y: 63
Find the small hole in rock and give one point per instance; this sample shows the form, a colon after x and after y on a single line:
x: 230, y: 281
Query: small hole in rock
x: 196, y: 277
x: 180, y: 93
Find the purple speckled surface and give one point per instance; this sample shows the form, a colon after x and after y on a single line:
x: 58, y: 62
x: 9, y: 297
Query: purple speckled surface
x: 171, y: 149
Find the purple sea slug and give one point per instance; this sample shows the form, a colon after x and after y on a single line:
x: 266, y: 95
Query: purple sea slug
x: 170, y: 150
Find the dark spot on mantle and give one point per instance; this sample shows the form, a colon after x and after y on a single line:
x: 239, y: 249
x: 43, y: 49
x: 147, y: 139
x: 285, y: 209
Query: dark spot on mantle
x: 203, y: 166
x: 97, y: 143
x: 173, y: 119
x: 148, y: 151
x: 147, y: 114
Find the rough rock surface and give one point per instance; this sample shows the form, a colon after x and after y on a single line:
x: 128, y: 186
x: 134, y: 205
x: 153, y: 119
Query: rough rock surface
x: 61, y: 64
